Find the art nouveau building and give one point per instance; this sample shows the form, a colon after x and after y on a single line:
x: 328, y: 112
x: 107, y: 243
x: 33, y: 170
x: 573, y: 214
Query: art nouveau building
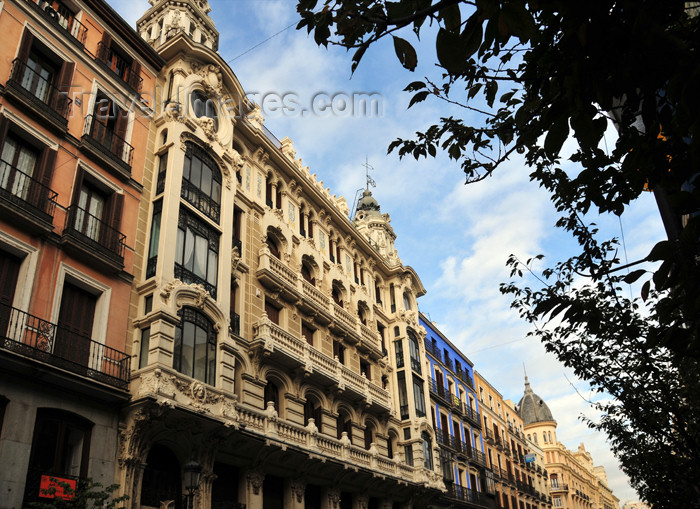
x: 72, y: 118
x: 264, y: 321
x: 454, y: 411
x: 574, y: 482
x: 507, y: 450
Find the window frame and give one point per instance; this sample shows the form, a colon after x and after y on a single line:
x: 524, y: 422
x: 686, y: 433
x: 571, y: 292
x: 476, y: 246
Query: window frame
x: 193, y: 316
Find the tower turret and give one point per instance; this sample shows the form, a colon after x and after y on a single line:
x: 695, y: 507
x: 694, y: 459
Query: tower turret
x: 376, y: 227
x: 168, y: 18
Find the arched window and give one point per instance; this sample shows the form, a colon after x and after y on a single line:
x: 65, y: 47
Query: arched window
x: 307, y: 272
x: 369, y: 434
x: 202, y: 106
x: 272, y: 394
x: 161, y: 477
x: 272, y: 245
x: 201, y: 182
x: 406, y: 300
x: 196, y: 252
x: 195, y: 346
x: 312, y: 410
x: 343, y: 423
x: 427, y: 450
x: 415, y: 351
x: 337, y: 293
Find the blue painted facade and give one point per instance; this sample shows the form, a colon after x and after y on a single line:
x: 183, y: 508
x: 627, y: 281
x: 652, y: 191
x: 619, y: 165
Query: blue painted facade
x: 455, y: 413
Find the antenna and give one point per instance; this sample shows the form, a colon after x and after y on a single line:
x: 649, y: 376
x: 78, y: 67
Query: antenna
x: 370, y: 180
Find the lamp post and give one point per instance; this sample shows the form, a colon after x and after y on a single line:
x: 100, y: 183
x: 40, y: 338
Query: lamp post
x: 192, y: 471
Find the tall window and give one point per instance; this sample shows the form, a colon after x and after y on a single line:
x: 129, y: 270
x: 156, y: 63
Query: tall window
x: 415, y: 351
x: 61, y: 446
x: 201, y: 182
x: 202, y: 106
x: 196, y: 252
x: 195, y: 346
x: 17, y: 164
x: 427, y: 451
x: 271, y: 393
x: 419, y: 396
x: 398, y: 348
x: 155, y: 239
x: 403, y: 394
x: 312, y: 410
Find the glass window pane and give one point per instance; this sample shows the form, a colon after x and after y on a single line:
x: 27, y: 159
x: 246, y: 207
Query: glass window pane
x: 200, y: 354
x: 179, y: 243
x: 196, y: 171
x: 189, y: 250
x: 187, y: 348
x: 155, y: 236
x: 206, y: 180
x: 201, y: 249
x: 211, y: 367
x: 213, y: 268
x: 177, y: 349
x: 186, y: 167
x: 216, y: 191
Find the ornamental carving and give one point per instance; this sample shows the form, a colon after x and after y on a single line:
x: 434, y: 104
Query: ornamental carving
x: 208, y: 126
x: 298, y: 487
x: 255, y: 480
x: 334, y: 498
x: 167, y: 290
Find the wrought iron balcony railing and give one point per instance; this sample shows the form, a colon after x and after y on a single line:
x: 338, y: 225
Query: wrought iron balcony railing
x: 25, y: 191
x: 198, y: 199
x: 38, y: 339
x: 39, y: 89
x: 119, y: 66
x: 187, y: 276
x: 61, y: 18
x: 94, y: 231
x: 108, y: 140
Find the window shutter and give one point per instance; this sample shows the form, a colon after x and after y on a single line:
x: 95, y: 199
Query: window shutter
x: 4, y: 126
x: 79, y: 176
x: 120, y: 131
x: 45, y: 167
x: 25, y: 46
x: 115, y: 210
x: 135, y: 75
x: 103, y: 54
x: 65, y: 79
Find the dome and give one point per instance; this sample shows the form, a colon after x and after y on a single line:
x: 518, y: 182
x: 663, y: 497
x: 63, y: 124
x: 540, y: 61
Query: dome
x: 367, y: 202
x: 532, y: 409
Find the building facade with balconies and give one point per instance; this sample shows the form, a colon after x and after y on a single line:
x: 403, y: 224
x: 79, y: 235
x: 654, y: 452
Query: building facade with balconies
x: 264, y: 318
x: 574, y: 483
x: 72, y: 121
x: 506, y: 451
x: 455, y: 417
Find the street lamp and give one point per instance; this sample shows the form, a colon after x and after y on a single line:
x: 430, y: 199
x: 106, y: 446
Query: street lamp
x: 193, y: 471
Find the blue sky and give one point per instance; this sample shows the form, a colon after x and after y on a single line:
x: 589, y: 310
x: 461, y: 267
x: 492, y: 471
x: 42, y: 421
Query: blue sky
x: 456, y: 237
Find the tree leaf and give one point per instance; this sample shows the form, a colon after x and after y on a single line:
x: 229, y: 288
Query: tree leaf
x: 419, y: 97
x: 556, y: 137
x: 450, y: 51
x: 633, y: 276
x: 405, y: 52
x: 451, y: 17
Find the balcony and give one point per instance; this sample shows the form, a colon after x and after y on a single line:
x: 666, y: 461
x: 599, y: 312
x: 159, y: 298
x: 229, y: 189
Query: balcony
x: 472, y: 416
x: 62, y: 19
x: 32, y: 338
x: 119, y: 66
x: 294, y: 353
x: 39, y: 96
x: 201, y: 201
x: 111, y: 149
x: 457, y: 492
x: 555, y: 486
x: 92, y: 239
x: 489, y: 436
x: 25, y: 200
x: 189, y: 277
x: 433, y: 350
x: 478, y: 457
x: 438, y: 390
